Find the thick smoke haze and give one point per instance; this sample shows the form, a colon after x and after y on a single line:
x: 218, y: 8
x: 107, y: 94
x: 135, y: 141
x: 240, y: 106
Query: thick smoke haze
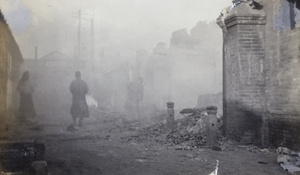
x: 175, y: 46
x: 125, y: 25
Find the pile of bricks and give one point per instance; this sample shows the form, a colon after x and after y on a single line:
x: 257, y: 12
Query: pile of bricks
x: 191, y: 130
x: 288, y: 160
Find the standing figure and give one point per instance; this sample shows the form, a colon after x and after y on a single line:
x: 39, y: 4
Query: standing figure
x: 79, y: 107
x: 26, y: 89
x: 134, y: 97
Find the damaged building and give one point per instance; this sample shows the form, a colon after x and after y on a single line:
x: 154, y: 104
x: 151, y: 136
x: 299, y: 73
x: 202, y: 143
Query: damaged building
x: 261, y: 53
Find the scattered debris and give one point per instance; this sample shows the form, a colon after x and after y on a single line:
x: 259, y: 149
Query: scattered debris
x: 283, y: 159
x: 288, y: 160
x: 189, y: 132
x: 189, y: 155
x: 290, y: 167
x: 218, y: 148
x: 265, y: 150
x: 261, y: 162
x: 141, y: 160
x: 282, y: 150
x: 188, y: 148
x: 193, y: 111
x: 71, y: 128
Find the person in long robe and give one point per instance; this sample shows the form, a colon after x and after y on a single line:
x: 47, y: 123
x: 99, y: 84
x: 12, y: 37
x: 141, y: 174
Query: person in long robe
x: 26, y: 89
x: 79, y: 108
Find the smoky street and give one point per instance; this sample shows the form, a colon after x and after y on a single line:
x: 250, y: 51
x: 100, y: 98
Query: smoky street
x: 150, y: 87
x: 108, y: 143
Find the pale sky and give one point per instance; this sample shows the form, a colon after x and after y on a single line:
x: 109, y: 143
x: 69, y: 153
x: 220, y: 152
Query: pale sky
x: 119, y: 25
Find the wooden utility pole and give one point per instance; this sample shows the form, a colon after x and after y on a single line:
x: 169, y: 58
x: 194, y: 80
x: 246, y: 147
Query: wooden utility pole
x: 78, y: 16
x: 92, y: 39
x: 92, y: 54
x: 79, y: 28
x: 35, y: 60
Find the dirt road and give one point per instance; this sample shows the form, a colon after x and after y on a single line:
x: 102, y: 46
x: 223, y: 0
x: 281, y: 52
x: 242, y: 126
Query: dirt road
x: 107, y: 147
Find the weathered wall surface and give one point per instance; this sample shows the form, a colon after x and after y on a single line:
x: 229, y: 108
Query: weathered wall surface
x: 244, y: 75
x: 10, y: 61
x: 261, y: 81
x: 282, y: 74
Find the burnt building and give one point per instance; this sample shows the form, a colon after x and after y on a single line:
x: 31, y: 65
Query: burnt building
x: 10, y: 62
x: 261, y: 53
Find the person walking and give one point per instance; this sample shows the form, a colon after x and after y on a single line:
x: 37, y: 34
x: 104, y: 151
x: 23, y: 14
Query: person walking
x: 79, y: 108
x: 26, y: 89
x: 134, y: 98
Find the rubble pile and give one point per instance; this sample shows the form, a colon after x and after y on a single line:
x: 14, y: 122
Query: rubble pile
x: 188, y: 131
x: 288, y: 160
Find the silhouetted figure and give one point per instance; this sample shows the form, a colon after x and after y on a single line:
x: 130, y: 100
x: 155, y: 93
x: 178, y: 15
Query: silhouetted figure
x: 26, y: 89
x: 79, y: 107
x: 134, y: 97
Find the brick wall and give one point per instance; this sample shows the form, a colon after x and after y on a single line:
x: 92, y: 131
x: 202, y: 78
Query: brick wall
x: 282, y: 75
x: 284, y: 130
x: 261, y: 81
x: 244, y: 74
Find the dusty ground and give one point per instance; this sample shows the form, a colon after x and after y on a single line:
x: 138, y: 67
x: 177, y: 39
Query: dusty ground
x: 105, y: 146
